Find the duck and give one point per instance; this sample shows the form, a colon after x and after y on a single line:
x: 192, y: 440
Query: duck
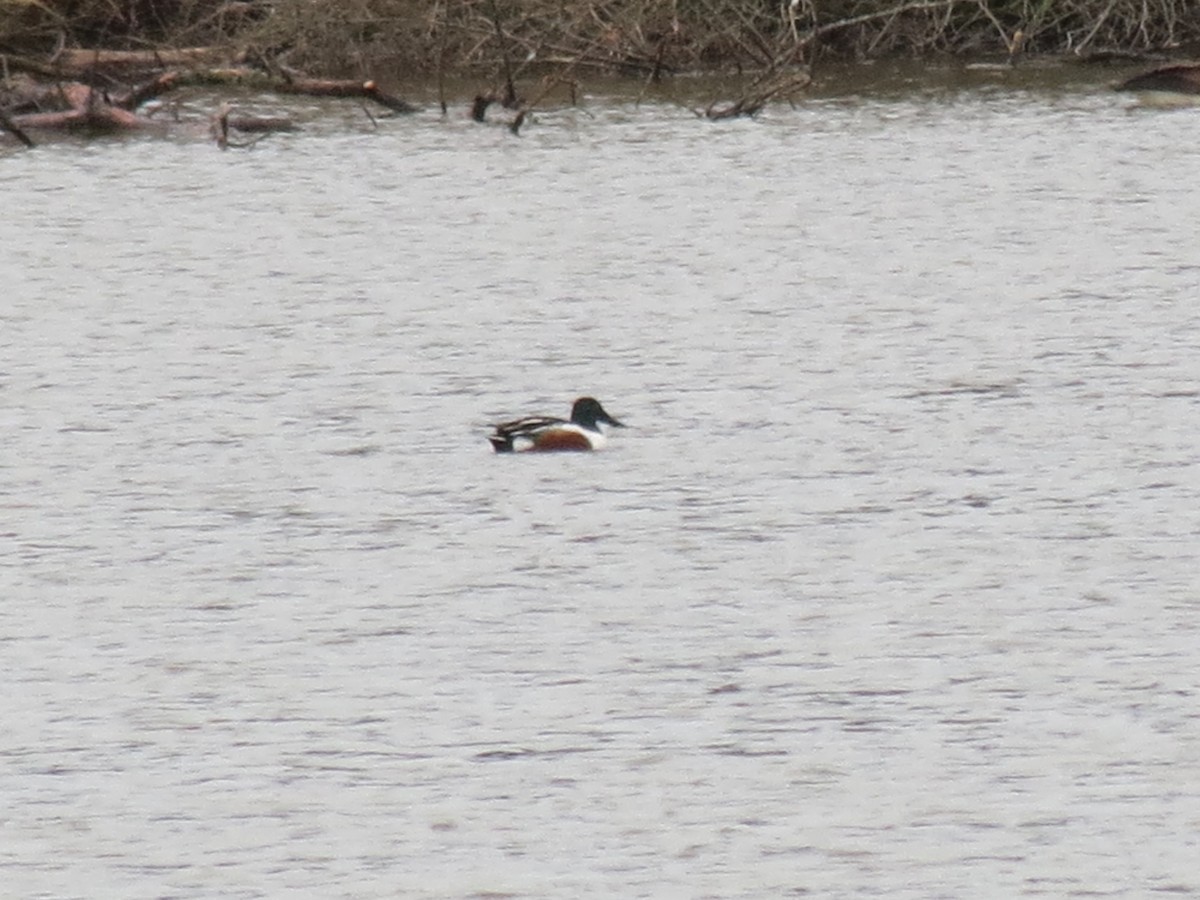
x: 545, y: 433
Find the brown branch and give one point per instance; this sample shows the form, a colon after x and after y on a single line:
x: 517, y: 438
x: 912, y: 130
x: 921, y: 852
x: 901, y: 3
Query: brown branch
x: 224, y: 121
x: 260, y: 124
x: 220, y: 127
x: 79, y: 62
x: 322, y: 87
x: 1180, y: 79
x: 88, y: 108
x: 1096, y: 28
x: 12, y: 128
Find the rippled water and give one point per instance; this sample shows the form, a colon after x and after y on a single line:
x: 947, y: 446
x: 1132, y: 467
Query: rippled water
x: 893, y: 587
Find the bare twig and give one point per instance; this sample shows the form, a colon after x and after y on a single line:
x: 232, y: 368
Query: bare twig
x: 510, y: 90
x: 819, y: 31
x: 1079, y: 48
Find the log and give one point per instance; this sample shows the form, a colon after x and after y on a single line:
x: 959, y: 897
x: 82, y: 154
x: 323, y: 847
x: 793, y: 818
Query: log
x: 91, y: 108
x: 21, y: 93
x: 12, y: 128
x: 260, y: 124
x: 88, y: 109
x: 225, y: 120
x: 1180, y: 79
x: 78, y: 62
x: 323, y: 87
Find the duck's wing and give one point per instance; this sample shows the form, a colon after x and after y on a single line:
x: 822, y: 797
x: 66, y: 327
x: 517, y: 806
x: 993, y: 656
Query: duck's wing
x: 526, y: 428
x: 529, y: 425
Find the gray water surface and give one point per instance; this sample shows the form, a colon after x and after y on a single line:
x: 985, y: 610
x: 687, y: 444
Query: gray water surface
x: 892, y: 587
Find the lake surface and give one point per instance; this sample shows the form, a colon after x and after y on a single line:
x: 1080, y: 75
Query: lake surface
x: 892, y: 587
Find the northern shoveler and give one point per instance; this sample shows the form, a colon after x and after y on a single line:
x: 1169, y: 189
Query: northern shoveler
x: 582, y: 432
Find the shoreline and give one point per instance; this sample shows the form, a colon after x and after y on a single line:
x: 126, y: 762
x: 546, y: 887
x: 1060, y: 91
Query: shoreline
x: 521, y: 58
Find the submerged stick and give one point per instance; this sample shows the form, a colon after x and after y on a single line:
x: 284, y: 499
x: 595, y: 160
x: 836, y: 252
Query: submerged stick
x: 758, y: 95
x: 12, y: 128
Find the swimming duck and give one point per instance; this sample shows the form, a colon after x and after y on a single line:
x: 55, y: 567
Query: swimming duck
x: 543, y: 433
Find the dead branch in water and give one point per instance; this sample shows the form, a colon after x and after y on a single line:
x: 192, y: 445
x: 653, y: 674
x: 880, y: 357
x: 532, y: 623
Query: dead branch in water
x: 261, y: 124
x: 323, y: 87
x: 88, y: 109
x: 12, y: 128
x: 760, y: 92
x: 225, y: 121
x: 1177, y: 79
x: 480, y: 104
x: 510, y: 100
x: 74, y: 105
x: 548, y: 84
x: 220, y: 126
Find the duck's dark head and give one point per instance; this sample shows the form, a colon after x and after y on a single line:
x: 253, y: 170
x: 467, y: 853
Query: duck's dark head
x: 587, y: 412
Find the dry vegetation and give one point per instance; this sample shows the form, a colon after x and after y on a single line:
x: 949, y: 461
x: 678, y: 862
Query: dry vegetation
x: 358, y: 37
x: 89, y: 64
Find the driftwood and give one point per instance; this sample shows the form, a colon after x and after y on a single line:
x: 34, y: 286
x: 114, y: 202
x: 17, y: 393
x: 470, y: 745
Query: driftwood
x: 260, y: 124
x: 479, y: 106
x: 1182, y: 78
x: 88, y: 109
x: 70, y: 104
x: 77, y: 63
x: 14, y: 129
x: 226, y: 120
x: 320, y: 87
x: 85, y: 107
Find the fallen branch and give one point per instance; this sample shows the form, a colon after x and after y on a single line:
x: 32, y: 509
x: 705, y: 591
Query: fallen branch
x: 77, y: 63
x: 220, y: 127
x: 73, y: 104
x: 225, y: 121
x: 548, y: 84
x: 320, y: 87
x: 761, y: 92
x: 1179, y: 79
x: 12, y: 128
x: 87, y: 109
x: 261, y: 124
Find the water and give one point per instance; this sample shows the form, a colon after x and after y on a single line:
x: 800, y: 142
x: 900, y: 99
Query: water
x: 891, y: 589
